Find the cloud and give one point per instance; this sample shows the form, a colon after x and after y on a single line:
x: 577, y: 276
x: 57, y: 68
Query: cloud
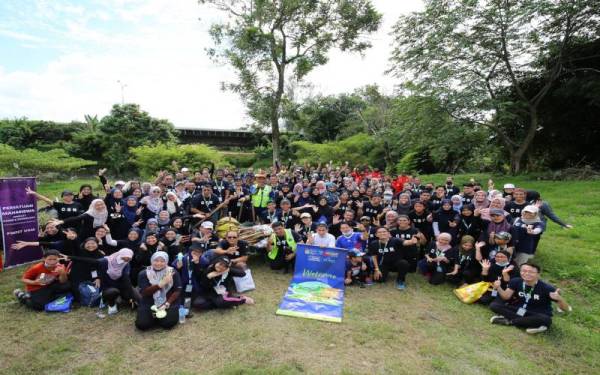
x: 157, y: 49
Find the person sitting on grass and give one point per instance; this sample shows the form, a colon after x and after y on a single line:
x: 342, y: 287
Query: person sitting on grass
x: 44, y: 282
x: 281, y: 248
x: 466, y: 268
x: 437, y: 262
x: 389, y: 255
x: 501, y: 268
x: 526, y: 302
x: 358, y: 270
x: 234, y: 249
x: 217, y: 285
x: 160, y: 287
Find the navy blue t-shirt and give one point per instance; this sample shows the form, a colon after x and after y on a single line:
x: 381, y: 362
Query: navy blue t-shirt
x: 539, y: 296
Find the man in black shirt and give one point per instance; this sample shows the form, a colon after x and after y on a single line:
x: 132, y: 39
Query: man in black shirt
x: 389, y: 255
x: 205, y: 202
x: 527, y: 301
x: 410, y: 238
x: 65, y: 209
x: 517, y: 204
x: 234, y: 248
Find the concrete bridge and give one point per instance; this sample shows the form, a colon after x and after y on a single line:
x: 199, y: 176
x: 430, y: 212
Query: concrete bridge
x: 221, y: 138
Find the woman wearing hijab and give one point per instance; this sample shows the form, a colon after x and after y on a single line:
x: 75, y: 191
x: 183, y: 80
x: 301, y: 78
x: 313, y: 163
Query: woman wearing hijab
x: 96, y: 216
x: 437, y: 262
x: 496, y: 202
x: 480, y: 200
x: 151, y: 204
x: 470, y: 223
x: 526, y: 232
x: 466, y: 268
x: 497, y: 224
x: 446, y: 220
x: 130, y: 210
x: 173, y: 205
x: 113, y: 272
x: 160, y: 287
x: 457, y: 202
x: 217, y: 284
x: 404, y: 205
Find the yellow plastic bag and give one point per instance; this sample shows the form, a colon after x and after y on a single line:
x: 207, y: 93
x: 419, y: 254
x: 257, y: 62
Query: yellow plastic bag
x: 472, y: 292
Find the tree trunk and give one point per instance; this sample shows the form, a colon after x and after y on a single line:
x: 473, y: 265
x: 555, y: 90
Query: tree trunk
x: 516, y: 156
x: 275, y: 104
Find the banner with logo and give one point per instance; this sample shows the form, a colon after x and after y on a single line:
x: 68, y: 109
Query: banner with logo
x: 317, y: 288
x: 18, y: 218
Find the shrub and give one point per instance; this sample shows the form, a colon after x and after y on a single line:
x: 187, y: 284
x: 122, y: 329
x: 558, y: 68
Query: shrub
x: 150, y: 159
x: 356, y: 150
x: 34, y: 162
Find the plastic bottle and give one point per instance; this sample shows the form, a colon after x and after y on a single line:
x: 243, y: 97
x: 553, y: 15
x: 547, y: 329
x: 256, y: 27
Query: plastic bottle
x: 182, y: 314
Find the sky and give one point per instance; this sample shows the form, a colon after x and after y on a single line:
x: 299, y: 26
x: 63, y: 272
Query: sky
x: 61, y: 60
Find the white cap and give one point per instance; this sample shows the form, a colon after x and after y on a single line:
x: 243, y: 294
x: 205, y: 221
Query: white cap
x: 120, y: 182
x: 509, y: 186
x: 184, y: 169
x: 531, y: 208
x: 207, y: 225
x: 305, y: 214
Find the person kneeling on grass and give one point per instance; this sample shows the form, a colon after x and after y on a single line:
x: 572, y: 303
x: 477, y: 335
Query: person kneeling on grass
x: 527, y: 301
x: 217, y: 284
x: 160, y: 286
x: 45, y: 282
x: 358, y: 270
x: 389, y: 255
x: 438, y: 262
x: 281, y: 247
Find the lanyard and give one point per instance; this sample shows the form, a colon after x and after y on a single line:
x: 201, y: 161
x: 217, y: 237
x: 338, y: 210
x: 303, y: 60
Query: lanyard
x: 189, y: 270
x: 527, y: 295
x: 207, y: 203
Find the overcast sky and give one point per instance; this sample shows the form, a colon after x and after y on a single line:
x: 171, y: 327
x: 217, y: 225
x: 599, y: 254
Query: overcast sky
x: 61, y: 60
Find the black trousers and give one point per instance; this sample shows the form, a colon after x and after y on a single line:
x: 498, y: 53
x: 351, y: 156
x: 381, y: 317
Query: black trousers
x: 145, y: 320
x: 467, y: 276
x: 400, y: 266
x: 280, y: 263
x: 47, y: 294
x: 530, y: 320
x: 216, y: 302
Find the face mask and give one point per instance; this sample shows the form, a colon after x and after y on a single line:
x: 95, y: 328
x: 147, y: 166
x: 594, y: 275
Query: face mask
x: 348, y: 233
x: 503, y: 264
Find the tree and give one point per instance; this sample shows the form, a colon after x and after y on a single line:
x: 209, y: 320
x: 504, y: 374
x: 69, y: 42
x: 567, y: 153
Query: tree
x: 469, y: 53
x: 127, y: 126
x: 264, y: 39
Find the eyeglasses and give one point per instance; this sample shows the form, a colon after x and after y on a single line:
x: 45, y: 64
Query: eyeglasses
x: 232, y: 237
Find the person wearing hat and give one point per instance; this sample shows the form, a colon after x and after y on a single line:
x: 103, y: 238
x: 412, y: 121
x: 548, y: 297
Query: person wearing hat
x: 500, y: 268
x: 204, y: 237
x: 260, y: 195
x: 501, y: 241
x: 65, y: 209
x: 526, y: 231
x: 307, y: 227
x: 507, y: 191
x: 358, y: 271
x: 160, y: 287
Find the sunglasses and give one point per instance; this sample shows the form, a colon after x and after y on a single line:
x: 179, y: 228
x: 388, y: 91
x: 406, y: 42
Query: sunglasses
x: 232, y: 237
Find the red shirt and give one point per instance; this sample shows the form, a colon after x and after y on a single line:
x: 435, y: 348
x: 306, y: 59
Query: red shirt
x: 34, y: 272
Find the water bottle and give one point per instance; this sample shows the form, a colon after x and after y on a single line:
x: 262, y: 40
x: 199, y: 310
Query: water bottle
x: 180, y: 257
x: 182, y: 314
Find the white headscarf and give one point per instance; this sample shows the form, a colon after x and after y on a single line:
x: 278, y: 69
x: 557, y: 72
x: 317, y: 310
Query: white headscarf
x: 99, y: 216
x: 154, y: 276
x: 172, y: 206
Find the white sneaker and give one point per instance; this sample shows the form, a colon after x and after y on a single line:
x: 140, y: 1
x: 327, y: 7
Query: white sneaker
x: 112, y: 310
x: 539, y: 329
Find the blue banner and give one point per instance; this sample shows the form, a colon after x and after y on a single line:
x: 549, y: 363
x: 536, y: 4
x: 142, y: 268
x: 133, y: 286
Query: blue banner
x: 317, y: 288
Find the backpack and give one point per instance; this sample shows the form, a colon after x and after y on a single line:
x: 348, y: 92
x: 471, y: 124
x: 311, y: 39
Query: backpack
x: 61, y: 304
x: 89, y: 295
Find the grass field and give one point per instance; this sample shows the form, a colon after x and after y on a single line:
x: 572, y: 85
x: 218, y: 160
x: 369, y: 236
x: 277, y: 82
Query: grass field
x: 422, y: 330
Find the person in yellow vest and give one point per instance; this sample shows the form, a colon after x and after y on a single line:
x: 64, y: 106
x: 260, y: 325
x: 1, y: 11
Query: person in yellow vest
x: 260, y: 195
x: 281, y: 247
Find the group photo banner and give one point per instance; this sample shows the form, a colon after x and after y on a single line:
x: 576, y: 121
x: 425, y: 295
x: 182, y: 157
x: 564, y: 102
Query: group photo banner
x: 18, y: 220
x: 317, y: 287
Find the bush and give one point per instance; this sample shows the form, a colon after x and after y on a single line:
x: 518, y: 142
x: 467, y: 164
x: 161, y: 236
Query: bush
x: 150, y: 159
x: 33, y: 162
x: 356, y: 150
x: 240, y: 159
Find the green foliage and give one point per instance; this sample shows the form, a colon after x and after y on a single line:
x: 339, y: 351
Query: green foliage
x: 240, y: 159
x: 30, y: 162
x: 149, y: 159
x: 355, y: 150
x: 127, y: 127
x: 42, y: 135
x: 267, y: 42
x: 408, y: 164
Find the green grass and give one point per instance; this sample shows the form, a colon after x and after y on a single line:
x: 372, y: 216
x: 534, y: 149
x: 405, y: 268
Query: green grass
x: 423, y: 330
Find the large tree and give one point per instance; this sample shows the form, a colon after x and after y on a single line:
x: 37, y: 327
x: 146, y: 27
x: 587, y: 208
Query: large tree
x: 471, y: 53
x: 269, y: 41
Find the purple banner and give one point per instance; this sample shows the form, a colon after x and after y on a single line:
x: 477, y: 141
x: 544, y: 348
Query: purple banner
x: 18, y: 216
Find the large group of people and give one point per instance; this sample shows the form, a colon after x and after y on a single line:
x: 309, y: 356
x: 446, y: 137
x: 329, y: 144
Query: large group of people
x: 152, y: 246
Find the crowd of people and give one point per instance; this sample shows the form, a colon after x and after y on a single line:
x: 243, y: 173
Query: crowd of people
x: 152, y: 246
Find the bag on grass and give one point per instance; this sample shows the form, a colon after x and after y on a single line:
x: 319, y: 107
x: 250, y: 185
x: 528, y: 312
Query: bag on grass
x: 472, y: 292
x: 245, y: 283
x: 61, y: 304
x: 89, y: 295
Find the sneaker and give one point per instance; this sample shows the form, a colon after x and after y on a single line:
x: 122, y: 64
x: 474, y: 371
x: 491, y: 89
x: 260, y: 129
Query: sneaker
x: 112, y: 310
x: 400, y: 285
x: 18, y: 293
x: 533, y: 331
x: 368, y: 281
x: 499, y: 319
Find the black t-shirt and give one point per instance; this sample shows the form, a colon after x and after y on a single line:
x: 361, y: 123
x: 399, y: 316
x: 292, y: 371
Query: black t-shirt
x: 205, y: 204
x: 387, y: 252
x: 219, y: 188
x: 211, y: 244
x: 241, y: 251
x: 372, y: 211
x: 66, y: 210
x: 538, y: 297
x: 515, y: 209
x: 406, y: 234
x: 466, y: 199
